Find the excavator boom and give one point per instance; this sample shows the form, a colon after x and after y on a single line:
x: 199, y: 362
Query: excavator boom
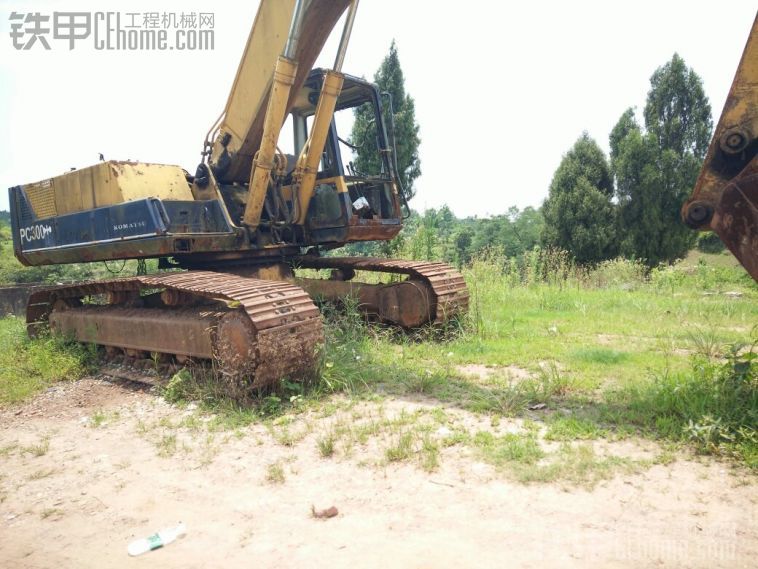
x: 239, y: 132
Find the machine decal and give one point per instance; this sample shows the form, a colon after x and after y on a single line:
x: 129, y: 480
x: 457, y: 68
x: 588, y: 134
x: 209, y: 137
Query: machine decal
x: 129, y: 226
x: 35, y: 232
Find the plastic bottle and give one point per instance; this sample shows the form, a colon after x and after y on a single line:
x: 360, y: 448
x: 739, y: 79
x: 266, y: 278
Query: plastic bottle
x: 159, y: 539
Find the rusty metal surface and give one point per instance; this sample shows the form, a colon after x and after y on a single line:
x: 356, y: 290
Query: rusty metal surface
x: 735, y: 139
x: 106, y: 183
x: 284, y: 325
x: 736, y: 217
x: 725, y: 198
x: 371, y: 229
x: 407, y: 304
x: 450, y: 295
x: 13, y: 299
x: 182, y: 331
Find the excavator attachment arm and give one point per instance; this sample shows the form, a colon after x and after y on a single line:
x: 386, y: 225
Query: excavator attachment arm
x: 239, y: 133
x: 725, y: 198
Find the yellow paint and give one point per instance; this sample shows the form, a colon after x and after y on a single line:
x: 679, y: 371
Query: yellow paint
x: 255, y: 73
x: 104, y: 184
x: 284, y: 77
x: 307, y: 163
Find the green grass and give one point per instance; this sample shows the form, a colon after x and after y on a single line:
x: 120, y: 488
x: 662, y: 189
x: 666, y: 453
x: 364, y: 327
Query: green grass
x: 521, y: 457
x: 40, y: 474
x: 609, y: 352
x: 401, y: 448
x: 102, y: 418
x: 29, y: 366
x: 166, y: 445
x: 39, y: 449
x: 713, y: 406
x: 595, y: 355
x: 51, y: 512
x: 326, y: 445
x: 275, y: 473
x: 522, y: 448
x: 572, y: 429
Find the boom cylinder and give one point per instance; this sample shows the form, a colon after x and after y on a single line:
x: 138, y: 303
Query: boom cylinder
x: 293, y: 37
x: 284, y: 77
x: 308, y: 162
x: 346, y: 31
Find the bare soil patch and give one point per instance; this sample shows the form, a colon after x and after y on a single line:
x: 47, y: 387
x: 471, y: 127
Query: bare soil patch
x: 484, y: 373
x: 89, y: 466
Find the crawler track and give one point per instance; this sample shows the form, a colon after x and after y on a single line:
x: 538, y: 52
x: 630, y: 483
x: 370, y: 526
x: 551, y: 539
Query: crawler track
x: 449, y: 296
x: 255, y: 331
x: 258, y: 331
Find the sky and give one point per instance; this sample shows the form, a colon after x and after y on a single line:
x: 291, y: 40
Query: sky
x: 502, y: 89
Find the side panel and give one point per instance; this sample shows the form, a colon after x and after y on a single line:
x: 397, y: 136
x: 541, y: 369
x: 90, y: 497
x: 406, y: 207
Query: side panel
x: 106, y: 183
x: 125, y: 221
x: 130, y: 230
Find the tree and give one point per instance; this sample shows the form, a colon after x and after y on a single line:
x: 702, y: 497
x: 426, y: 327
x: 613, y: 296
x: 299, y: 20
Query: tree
x: 389, y: 79
x: 462, y: 245
x: 655, y: 170
x: 677, y: 112
x: 579, y: 214
x: 526, y: 226
x: 487, y: 234
x: 445, y: 221
x: 626, y: 124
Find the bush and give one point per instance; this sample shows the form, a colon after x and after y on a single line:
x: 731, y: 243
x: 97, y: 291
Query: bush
x: 618, y: 273
x: 667, y: 277
x: 709, y: 242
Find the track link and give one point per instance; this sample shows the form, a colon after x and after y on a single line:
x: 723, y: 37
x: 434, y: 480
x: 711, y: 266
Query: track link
x: 259, y: 331
x: 449, y: 294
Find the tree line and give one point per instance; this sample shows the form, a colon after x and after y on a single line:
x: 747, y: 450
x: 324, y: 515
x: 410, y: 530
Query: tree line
x: 598, y: 207
x: 628, y: 204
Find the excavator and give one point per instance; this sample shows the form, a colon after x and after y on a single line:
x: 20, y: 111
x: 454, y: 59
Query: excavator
x: 725, y: 198
x: 232, y: 236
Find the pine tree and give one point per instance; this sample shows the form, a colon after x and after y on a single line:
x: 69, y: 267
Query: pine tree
x: 655, y: 170
x: 389, y: 79
x: 677, y: 112
x: 579, y: 214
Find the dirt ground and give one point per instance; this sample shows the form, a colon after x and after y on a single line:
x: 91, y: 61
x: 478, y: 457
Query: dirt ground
x: 82, y: 476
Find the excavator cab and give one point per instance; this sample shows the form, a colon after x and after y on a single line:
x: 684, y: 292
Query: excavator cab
x: 347, y: 204
x: 369, y: 206
x: 370, y: 188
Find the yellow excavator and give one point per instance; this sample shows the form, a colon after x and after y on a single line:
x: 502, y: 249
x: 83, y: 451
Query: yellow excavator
x: 232, y: 235
x: 236, y: 231
x: 725, y: 198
